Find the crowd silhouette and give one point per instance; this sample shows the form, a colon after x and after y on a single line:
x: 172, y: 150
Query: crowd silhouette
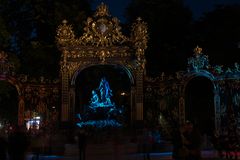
x: 187, y: 142
x: 14, y: 143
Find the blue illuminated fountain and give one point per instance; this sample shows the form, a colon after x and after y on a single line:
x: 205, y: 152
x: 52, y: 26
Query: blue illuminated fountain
x: 101, y: 111
x: 101, y: 98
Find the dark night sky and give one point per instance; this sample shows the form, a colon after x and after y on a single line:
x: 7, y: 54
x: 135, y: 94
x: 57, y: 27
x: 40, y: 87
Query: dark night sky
x: 198, y: 7
x: 116, y: 7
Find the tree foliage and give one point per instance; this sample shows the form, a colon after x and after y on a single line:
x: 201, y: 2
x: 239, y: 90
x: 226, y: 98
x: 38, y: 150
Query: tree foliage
x: 8, y: 103
x: 29, y: 30
x: 218, y: 32
x: 174, y: 33
x: 169, y: 24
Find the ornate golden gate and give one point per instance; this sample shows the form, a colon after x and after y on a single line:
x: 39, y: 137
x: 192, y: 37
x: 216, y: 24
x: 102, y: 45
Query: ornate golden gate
x: 35, y: 96
x: 102, y: 43
x: 166, y: 95
x: 7, y: 73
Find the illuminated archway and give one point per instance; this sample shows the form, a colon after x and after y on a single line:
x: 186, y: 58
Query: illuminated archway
x: 7, y: 74
x: 102, y: 44
x: 119, y: 81
x: 8, y: 103
x: 199, y: 104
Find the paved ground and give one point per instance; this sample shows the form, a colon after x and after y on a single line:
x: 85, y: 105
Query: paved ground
x: 207, y: 155
x: 125, y: 150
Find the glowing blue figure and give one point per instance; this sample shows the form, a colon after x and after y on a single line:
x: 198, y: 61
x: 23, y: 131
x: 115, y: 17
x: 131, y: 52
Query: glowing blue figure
x: 104, y: 100
x: 94, y: 99
x: 105, y: 92
x: 101, y: 111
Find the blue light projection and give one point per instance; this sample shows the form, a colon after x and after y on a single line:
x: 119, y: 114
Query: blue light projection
x: 104, y: 100
x: 101, y: 111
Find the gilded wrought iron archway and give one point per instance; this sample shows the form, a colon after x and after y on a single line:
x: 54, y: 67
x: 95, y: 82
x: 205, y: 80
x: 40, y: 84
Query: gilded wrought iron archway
x: 121, y: 81
x: 124, y: 68
x: 167, y: 92
x: 34, y: 95
x: 206, y: 96
x: 7, y: 72
x: 102, y: 43
x: 198, y: 67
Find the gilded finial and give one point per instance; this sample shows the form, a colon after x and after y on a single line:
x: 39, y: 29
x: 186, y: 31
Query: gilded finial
x: 139, y: 19
x: 102, y: 10
x: 197, y: 50
x: 64, y: 21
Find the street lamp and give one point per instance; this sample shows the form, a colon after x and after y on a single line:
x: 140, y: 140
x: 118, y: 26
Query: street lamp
x: 123, y: 93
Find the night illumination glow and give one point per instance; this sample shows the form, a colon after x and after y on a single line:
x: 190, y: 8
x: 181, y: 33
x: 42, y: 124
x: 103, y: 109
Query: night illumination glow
x: 33, y: 123
x: 101, y: 111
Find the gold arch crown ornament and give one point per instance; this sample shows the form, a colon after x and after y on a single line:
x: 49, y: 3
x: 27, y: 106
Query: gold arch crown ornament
x: 102, y: 38
x: 197, y: 50
x: 100, y: 30
x: 102, y: 10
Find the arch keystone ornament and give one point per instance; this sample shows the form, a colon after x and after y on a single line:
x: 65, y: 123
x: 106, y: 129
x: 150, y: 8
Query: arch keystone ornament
x: 102, y: 43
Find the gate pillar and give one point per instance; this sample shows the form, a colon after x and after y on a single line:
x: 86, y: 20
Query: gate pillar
x: 139, y: 95
x: 65, y: 95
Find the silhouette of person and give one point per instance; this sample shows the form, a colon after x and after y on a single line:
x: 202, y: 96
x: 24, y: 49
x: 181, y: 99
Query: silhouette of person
x: 17, y: 143
x: 178, y: 152
x: 82, y: 142
x: 147, y: 143
x: 192, y: 141
x: 36, y: 146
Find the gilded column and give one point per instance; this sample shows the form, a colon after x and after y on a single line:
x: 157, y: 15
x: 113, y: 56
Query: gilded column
x: 139, y: 38
x: 65, y: 97
x: 72, y: 102
x: 133, y: 106
x: 65, y: 37
x: 139, y: 95
x: 21, y: 106
x: 217, y: 111
x: 65, y: 89
x: 181, y: 103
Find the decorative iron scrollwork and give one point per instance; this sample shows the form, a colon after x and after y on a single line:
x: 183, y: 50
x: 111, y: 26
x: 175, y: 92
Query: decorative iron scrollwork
x: 199, y: 61
x: 100, y: 30
x: 139, y: 38
x: 6, y: 67
x: 65, y: 34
